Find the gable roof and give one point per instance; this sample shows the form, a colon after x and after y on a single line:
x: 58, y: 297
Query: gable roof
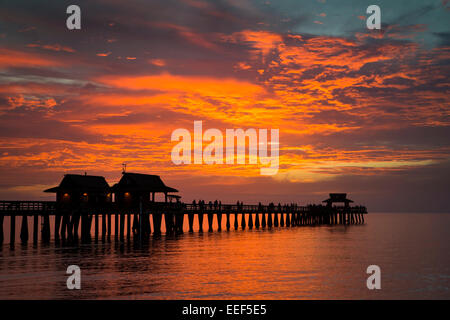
x: 142, y: 182
x: 78, y: 182
x: 338, y: 197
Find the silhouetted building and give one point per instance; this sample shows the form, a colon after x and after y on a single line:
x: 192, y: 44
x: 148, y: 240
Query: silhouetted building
x: 338, y: 197
x: 134, y: 187
x: 76, y: 188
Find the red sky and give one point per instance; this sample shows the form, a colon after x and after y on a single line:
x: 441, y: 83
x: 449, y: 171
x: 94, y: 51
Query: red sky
x: 361, y: 111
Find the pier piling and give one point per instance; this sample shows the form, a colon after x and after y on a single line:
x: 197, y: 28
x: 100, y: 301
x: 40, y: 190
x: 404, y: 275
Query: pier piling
x: 46, y: 228
x: 219, y: 221
x: 200, y: 221
x: 210, y: 222
x: 156, y: 224
x: 57, y: 225
x: 1, y: 228
x: 116, y: 226
x: 103, y: 227
x: 12, y: 232
x: 24, y: 229
x: 96, y: 227
x: 257, y: 221
x: 191, y: 222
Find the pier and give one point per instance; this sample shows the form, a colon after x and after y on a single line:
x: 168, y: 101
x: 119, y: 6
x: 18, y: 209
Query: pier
x: 87, y: 209
x: 78, y: 223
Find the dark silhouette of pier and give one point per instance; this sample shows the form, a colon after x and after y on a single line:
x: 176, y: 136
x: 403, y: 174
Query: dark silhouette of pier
x: 82, y: 201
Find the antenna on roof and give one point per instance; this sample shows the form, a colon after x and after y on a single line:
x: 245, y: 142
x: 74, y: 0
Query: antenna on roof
x: 124, y: 167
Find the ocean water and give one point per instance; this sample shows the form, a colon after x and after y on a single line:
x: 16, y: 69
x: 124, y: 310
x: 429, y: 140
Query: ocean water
x: 308, y: 262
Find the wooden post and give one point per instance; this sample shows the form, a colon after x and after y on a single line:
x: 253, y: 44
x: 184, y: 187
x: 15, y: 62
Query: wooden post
x: 57, y: 225
x: 122, y: 225
x: 236, y: 223
x: 89, y: 227
x: 46, y: 228
x: 263, y: 222
x: 228, y: 221
x: 243, y: 221
x: 269, y: 220
x: 275, y: 223
x: 103, y: 226
x: 141, y: 220
x: 128, y: 226
x: 83, y: 228
x: 210, y: 222
x: 1, y: 228
x: 200, y: 222
x: 135, y: 228
x: 257, y: 221
x: 64, y: 226
x: 74, y: 225
x: 36, y: 228
x: 282, y: 219
x: 24, y: 229
x: 169, y: 222
x: 250, y: 221
x: 179, y: 218
x: 12, y: 232
x: 191, y: 221
x: 73, y: 221
x: 219, y: 221
x: 109, y: 225
x: 96, y: 226
x: 147, y: 227
x: 288, y: 220
x: 116, y: 226
x: 156, y: 223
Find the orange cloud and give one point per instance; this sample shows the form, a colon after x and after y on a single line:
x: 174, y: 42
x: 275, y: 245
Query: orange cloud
x: 15, y: 58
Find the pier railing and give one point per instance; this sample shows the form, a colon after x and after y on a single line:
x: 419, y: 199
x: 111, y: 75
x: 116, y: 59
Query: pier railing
x: 51, y: 208
x: 11, y: 207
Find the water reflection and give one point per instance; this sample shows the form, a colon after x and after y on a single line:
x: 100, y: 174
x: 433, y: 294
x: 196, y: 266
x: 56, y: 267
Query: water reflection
x: 281, y: 263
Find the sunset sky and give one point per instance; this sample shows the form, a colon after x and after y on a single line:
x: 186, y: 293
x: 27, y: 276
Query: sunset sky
x: 361, y: 111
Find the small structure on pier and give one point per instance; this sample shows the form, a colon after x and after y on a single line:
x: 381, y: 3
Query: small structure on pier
x: 136, y: 187
x: 339, y: 198
x: 75, y: 189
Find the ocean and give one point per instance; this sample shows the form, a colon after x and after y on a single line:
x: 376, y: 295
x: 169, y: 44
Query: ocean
x: 307, y: 262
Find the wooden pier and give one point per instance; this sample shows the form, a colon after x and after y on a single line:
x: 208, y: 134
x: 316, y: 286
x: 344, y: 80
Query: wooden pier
x: 73, y: 223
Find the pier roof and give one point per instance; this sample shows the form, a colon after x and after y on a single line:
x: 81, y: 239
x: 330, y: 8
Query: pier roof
x: 142, y: 182
x: 337, y: 197
x: 78, y: 182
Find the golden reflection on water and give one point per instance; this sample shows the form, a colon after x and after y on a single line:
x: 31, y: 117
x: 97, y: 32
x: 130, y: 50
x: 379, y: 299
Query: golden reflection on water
x: 280, y: 263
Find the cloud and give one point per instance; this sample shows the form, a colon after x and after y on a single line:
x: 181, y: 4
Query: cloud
x: 363, y: 111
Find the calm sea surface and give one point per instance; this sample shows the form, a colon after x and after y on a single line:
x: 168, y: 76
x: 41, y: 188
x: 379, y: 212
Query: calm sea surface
x: 412, y: 250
